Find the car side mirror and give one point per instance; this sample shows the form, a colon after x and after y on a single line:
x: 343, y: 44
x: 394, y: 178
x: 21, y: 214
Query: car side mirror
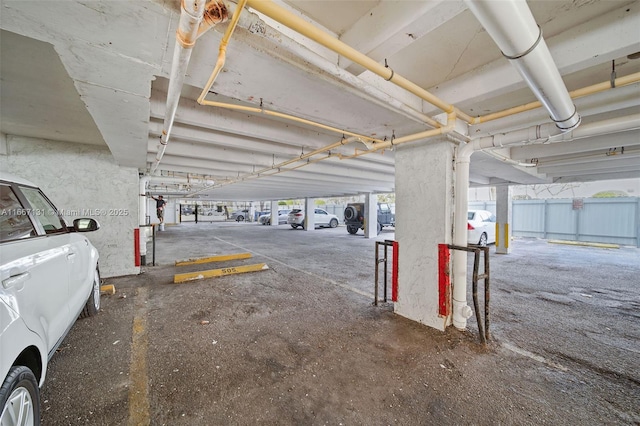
x: 85, y: 225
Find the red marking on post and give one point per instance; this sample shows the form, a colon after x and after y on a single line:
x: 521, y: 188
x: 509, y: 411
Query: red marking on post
x: 394, y: 272
x: 444, y: 281
x: 136, y: 246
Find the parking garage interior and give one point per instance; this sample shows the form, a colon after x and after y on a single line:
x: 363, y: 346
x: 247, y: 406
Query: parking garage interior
x: 105, y: 104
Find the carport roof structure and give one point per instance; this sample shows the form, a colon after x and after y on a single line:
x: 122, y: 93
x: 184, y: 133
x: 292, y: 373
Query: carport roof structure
x: 100, y: 72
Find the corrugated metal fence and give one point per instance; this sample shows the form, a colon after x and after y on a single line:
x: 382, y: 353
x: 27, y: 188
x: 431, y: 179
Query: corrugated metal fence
x: 600, y: 220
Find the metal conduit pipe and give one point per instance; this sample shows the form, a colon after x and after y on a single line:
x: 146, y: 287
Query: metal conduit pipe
x: 513, y: 28
x: 191, y: 16
x: 548, y: 133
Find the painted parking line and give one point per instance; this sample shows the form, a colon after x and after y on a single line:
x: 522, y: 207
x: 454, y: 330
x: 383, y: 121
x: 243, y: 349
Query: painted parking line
x: 585, y: 244
x: 210, y: 259
x: 138, y: 369
x: 540, y: 359
x: 319, y: 277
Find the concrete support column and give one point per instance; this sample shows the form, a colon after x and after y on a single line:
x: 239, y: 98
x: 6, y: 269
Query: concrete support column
x: 274, y: 213
x: 3, y: 144
x: 251, y: 213
x: 424, y: 217
x: 503, y: 219
x: 371, y: 215
x: 309, y: 214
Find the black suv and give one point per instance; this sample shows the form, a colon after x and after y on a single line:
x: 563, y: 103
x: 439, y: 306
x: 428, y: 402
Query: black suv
x: 354, y: 217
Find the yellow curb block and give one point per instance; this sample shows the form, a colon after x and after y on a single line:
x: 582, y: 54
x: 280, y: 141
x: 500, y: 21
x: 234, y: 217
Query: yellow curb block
x: 220, y: 258
x: 108, y: 289
x: 192, y: 276
x: 581, y: 243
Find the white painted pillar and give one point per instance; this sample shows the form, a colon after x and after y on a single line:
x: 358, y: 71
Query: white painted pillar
x: 274, y: 213
x: 170, y: 211
x: 4, y: 150
x: 371, y: 215
x: 309, y: 214
x: 503, y: 219
x: 251, y: 213
x: 424, y: 211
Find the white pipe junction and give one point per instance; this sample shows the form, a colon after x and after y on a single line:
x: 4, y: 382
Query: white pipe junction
x: 514, y: 30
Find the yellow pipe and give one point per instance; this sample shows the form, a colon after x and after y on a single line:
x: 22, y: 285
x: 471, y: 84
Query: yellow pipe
x: 287, y: 117
x: 605, y: 85
x: 222, y: 51
x: 589, y: 90
x: 451, y: 119
x: 299, y: 25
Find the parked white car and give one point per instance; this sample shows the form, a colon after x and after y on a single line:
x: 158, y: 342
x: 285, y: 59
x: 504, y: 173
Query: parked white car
x: 265, y: 219
x: 481, y: 227
x: 322, y: 219
x: 50, y: 276
x: 240, y: 215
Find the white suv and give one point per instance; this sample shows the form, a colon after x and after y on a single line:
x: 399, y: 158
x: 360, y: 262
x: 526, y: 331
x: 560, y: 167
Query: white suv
x: 49, y: 274
x: 321, y: 219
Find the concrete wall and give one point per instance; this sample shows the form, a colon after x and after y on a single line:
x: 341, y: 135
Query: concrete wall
x: 83, y: 181
x: 424, y: 206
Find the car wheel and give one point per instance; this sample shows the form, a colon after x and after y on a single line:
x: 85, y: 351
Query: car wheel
x: 20, y: 398
x: 239, y: 218
x: 333, y: 223
x: 294, y: 226
x: 352, y: 229
x: 483, y: 240
x: 92, y: 306
x: 379, y: 228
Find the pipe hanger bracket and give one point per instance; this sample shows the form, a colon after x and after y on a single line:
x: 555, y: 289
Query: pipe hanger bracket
x: 529, y: 50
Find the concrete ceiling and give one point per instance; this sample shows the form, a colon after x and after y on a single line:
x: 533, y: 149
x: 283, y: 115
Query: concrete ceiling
x: 97, y: 72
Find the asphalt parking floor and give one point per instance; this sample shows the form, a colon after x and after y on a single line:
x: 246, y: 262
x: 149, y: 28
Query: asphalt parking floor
x: 301, y: 342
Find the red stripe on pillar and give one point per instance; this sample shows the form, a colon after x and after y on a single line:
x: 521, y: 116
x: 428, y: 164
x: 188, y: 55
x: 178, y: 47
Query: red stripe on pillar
x: 394, y: 272
x: 444, y: 281
x: 136, y: 246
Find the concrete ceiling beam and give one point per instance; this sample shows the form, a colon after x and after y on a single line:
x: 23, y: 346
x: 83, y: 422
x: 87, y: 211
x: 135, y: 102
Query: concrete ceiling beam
x: 610, y: 36
x: 615, y: 162
x: 391, y: 26
x: 216, y: 167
